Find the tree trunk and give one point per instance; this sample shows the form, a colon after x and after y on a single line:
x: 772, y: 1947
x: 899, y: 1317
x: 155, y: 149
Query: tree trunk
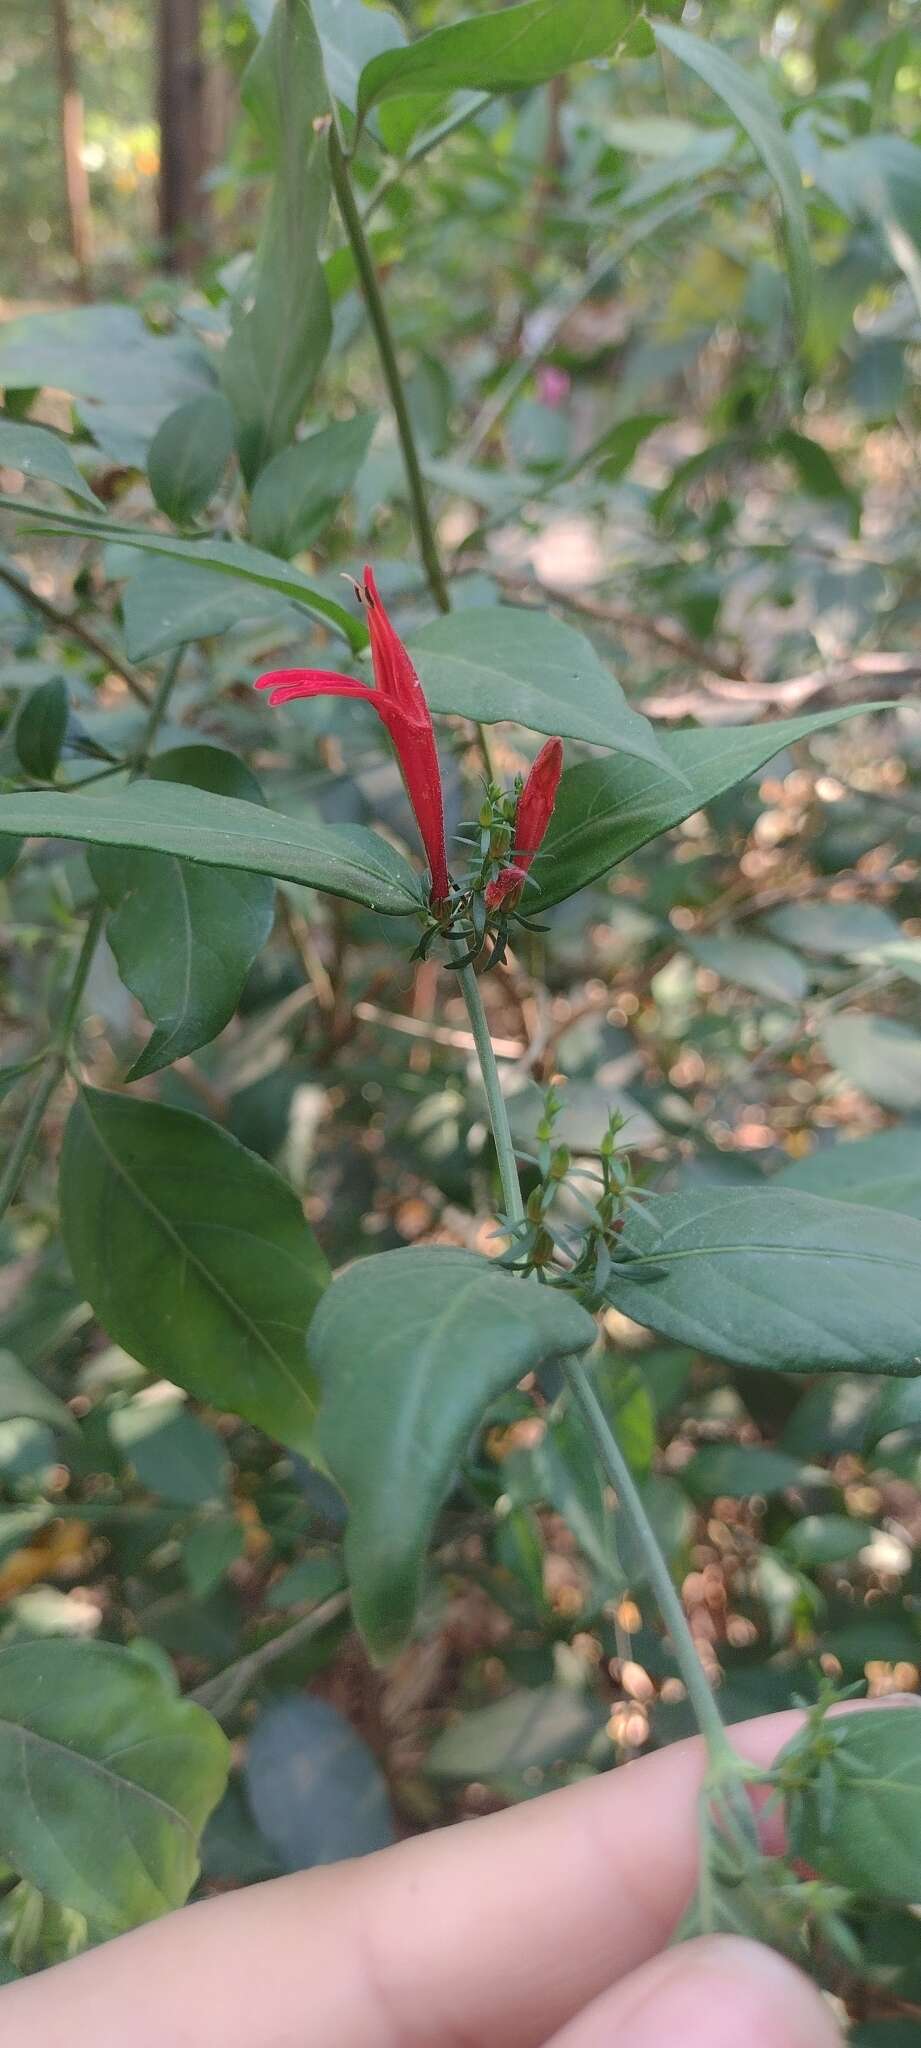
x: 76, y: 182
x: 181, y: 113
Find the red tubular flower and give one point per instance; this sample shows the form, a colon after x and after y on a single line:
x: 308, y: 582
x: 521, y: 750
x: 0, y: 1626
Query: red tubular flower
x: 535, y: 809
x: 398, y: 699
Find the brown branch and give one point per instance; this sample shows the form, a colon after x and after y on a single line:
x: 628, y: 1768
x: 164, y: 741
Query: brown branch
x: 67, y: 622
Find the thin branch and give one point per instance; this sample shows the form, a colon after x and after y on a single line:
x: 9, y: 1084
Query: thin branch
x: 67, y: 622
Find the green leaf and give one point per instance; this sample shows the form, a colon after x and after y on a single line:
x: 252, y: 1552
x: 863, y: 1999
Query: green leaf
x: 786, y: 1280
x: 739, y: 1470
x: 880, y: 1055
x: 281, y: 324
x: 411, y: 1347
x: 750, y: 104
x: 221, y: 558
x: 35, y: 451
x: 41, y: 728
x: 826, y: 1539
x: 317, y: 1793
x: 125, y: 378
x: 606, y: 809
x: 173, y: 1453
x: 184, y: 936
x: 209, y: 1548
x: 504, y: 50
x: 612, y: 454
x: 882, y: 1172
x: 868, y: 1837
x: 189, y: 454
x: 767, y: 969
x: 818, y: 474
x: 195, y: 1256
x: 350, y: 36
x: 224, y: 832
x: 525, y: 1731
x: 499, y: 661
x: 297, y: 493
x: 833, y: 928
x: 310, y: 1581
x: 165, y: 604
x: 20, y: 1394
x: 106, y: 1780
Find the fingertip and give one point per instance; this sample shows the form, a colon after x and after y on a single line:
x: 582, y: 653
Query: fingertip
x: 715, y: 1992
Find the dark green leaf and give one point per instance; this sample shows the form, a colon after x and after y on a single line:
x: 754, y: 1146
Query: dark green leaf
x: 504, y: 50
x: 35, y: 451
x: 225, y: 832
x: 184, y: 937
x: 165, y: 604
x: 315, y: 1789
x: 782, y: 1280
x: 818, y: 474
x: 281, y: 323
x: 309, y: 1581
x: 208, y: 1551
x: 606, y: 809
x: 526, y: 1731
x: 173, y: 1453
x: 739, y: 1470
x: 882, y: 1172
x: 749, y: 104
x: 106, y: 1780
x: 195, y: 1256
x: 870, y: 1840
x: 411, y: 1347
x: 880, y: 1055
x: 499, y: 661
x: 189, y: 454
x: 826, y: 1539
x: 297, y: 493
x: 41, y: 729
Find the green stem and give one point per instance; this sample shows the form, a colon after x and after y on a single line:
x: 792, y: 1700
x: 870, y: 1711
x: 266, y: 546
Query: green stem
x: 421, y: 147
x: 56, y: 1063
x: 377, y: 314
x: 58, y: 1052
x: 610, y: 1455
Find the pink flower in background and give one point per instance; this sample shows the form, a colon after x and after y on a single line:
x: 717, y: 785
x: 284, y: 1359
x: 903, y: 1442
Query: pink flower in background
x: 553, y: 386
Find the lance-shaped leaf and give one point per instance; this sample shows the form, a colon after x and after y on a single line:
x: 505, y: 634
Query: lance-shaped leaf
x: 411, y: 1347
x: 860, y: 1826
x: 36, y: 451
x: 106, y: 1780
x: 195, y: 1256
x: 504, y: 661
x: 184, y: 935
x: 282, y: 323
x: 605, y: 810
x: 219, y: 558
x: 505, y: 49
x: 751, y: 105
x: 783, y: 1280
x: 882, y: 1172
x: 225, y: 832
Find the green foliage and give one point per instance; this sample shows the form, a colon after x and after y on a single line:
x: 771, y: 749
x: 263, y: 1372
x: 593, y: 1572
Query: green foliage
x: 156, y: 1203
x: 188, y: 456
x: 108, y: 1779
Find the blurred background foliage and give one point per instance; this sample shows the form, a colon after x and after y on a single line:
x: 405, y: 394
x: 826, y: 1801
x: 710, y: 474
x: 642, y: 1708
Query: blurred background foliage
x: 613, y: 419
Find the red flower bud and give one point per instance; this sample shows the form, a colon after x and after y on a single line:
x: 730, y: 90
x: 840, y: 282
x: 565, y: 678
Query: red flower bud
x: 533, y: 815
x: 398, y: 699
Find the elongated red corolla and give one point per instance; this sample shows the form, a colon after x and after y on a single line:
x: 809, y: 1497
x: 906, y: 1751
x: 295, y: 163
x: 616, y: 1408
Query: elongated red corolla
x: 535, y: 809
x: 398, y: 698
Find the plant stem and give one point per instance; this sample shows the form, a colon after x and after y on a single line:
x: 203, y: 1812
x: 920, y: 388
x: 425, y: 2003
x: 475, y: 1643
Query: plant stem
x: 377, y: 314
x: 66, y: 622
x: 56, y: 1062
x: 386, y: 349
x: 421, y: 147
x: 223, y: 1693
x: 610, y: 1455
x: 58, y: 1051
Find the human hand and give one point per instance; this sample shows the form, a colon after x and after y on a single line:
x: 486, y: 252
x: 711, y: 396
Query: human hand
x: 543, y: 1927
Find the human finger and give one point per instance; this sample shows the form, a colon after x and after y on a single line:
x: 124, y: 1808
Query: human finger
x: 713, y: 1993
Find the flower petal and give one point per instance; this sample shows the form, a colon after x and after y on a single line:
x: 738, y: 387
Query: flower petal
x: 287, y: 683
